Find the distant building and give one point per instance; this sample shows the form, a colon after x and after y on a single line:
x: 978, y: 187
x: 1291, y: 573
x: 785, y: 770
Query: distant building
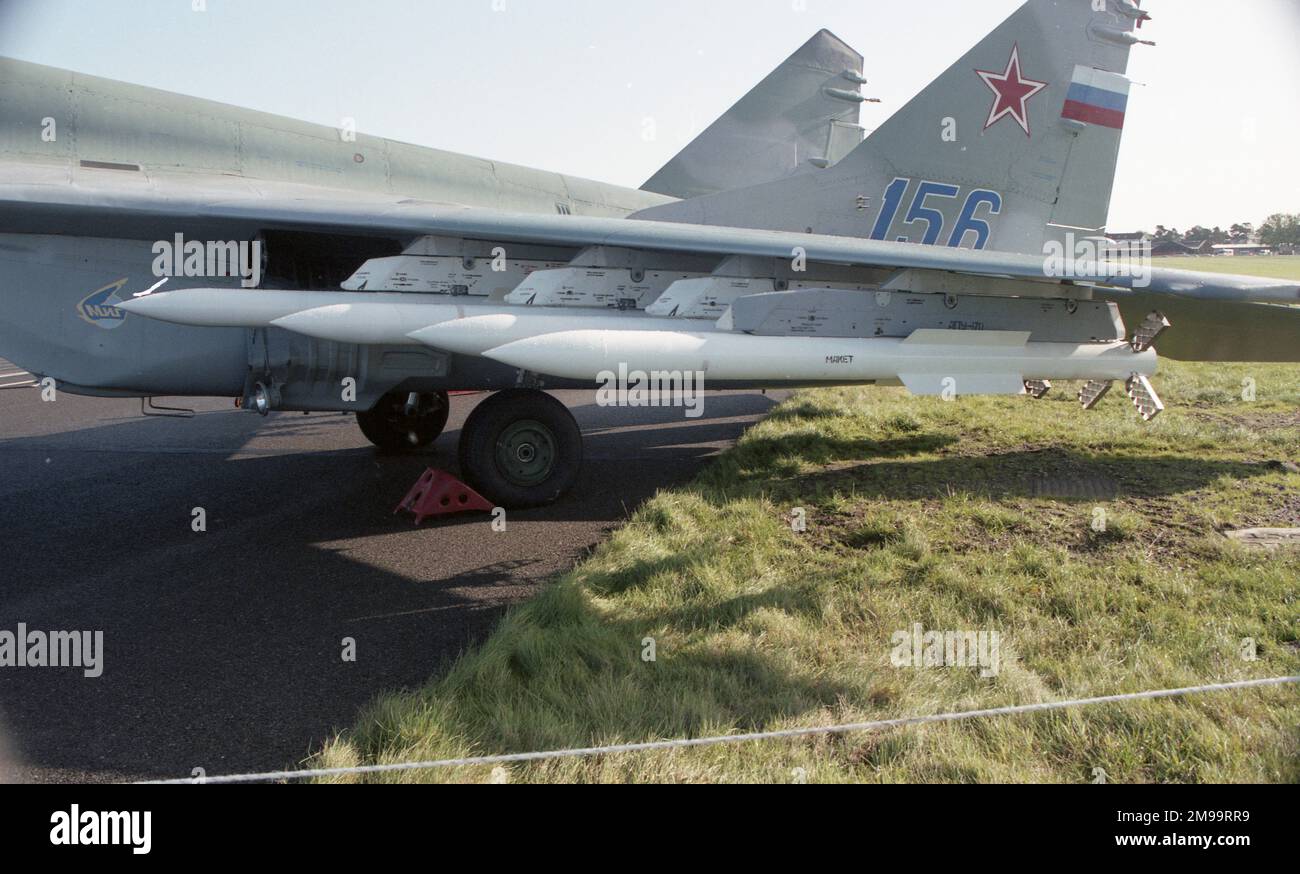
x: 1113, y: 244
x: 1137, y: 237
x: 1157, y: 248
x: 1173, y: 248
x: 1237, y: 249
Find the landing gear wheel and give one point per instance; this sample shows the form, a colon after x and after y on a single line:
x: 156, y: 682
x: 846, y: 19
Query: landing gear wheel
x: 521, y: 449
x: 393, y: 426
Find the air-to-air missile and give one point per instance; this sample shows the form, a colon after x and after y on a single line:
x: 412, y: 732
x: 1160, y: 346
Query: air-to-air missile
x: 259, y: 308
x: 797, y: 338
x: 929, y: 362
x: 384, y: 318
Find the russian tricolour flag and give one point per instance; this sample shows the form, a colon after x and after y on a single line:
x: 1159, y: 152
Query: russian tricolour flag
x: 1097, y: 97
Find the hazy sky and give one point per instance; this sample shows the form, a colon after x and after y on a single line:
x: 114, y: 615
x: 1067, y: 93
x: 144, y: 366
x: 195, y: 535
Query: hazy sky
x: 1212, y: 137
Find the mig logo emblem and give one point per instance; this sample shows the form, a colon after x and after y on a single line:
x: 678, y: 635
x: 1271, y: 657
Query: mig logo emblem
x: 99, y: 308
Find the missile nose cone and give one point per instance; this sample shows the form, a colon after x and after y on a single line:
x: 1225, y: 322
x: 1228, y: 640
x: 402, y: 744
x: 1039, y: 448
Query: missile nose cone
x: 365, y: 324
x: 202, y: 307
x: 585, y: 353
x: 137, y: 305
x: 539, y: 355
x: 130, y: 304
x: 161, y: 306
x: 340, y: 323
x: 473, y: 335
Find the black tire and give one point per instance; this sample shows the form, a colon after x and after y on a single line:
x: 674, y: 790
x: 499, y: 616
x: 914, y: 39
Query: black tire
x: 521, y: 449
x: 390, y: 428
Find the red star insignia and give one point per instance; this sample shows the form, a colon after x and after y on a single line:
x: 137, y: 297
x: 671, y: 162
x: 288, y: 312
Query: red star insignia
x: 1013, y: 91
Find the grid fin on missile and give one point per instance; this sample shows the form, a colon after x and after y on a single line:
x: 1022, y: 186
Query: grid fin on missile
x: 1038, y: 388
x: 1092, y: 393
x: 1149, y: 331
x: 1144, y: 397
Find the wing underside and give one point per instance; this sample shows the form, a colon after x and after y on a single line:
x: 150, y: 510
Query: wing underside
x: 157, y: 210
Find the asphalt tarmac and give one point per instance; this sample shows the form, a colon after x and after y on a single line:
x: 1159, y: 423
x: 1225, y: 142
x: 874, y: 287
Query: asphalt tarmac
x: 223, y: 649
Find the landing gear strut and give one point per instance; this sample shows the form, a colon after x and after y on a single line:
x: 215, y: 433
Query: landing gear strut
x: 406, y: 421
x: 521, y: 449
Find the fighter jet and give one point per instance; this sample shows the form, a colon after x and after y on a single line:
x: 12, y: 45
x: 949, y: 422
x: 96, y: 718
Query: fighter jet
x: 159, y: 245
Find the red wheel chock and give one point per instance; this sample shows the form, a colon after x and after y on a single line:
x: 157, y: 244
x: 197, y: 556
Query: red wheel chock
x: 440, y: 494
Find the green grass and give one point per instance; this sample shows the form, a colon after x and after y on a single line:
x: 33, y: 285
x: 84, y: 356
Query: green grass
x: 967, y: 516
x: 1273, y: 267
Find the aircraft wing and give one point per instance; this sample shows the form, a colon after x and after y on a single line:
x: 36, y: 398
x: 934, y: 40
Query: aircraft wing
x: 251, y: 206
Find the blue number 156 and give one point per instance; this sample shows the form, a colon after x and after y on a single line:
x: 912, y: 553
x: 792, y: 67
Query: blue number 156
x: 922, y: 210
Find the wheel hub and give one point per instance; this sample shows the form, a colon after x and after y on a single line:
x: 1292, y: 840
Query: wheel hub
x: 526, y: 453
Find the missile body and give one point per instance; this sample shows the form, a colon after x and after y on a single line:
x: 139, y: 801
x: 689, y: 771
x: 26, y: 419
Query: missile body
x: 388, y: 319
x: 476, y: 333
x: 584, y: 344
x: 929, y: 362
x: 258, y: 308
x: 466, y: 330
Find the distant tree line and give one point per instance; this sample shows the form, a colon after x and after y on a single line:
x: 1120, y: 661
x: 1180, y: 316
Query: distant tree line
x: 1280, y: 231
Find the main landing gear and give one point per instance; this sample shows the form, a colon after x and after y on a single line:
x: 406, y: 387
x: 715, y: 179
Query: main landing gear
x: 520, y: 449
x: 406, y: 421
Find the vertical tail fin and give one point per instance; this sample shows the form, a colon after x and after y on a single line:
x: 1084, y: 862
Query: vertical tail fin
x: 804, y: 114
x: 1020, y: 134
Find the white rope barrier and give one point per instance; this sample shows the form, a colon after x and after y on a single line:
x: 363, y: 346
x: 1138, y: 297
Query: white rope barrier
x: 517, y: 758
